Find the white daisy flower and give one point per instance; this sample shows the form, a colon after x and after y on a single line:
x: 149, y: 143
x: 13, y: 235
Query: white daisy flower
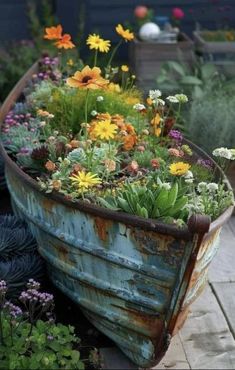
x: 182, y: 98
x: 154, y: 94
x: 139, y: 107
x: 172, y: 99
x: 223, y: 153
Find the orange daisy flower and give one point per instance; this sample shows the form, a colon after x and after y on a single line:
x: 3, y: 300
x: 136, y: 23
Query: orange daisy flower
x: 65, y: 42
x: 129, y: 141
x: 88, y: 78
x: 53, y: 33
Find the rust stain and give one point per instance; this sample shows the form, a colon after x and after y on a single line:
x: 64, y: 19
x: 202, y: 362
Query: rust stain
x: 62, y: 253
x: 207, y: 243
x: 102, y: 226
x: 181, y: 318
x: 48, y: 204
x: 152, y: 325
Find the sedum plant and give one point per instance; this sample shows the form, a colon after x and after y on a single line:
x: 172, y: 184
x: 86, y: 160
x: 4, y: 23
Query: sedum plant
x: 99, y: 141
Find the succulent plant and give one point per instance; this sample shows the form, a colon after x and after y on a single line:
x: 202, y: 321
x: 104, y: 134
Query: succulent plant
x: 19, y: 260
x: 17, y: 271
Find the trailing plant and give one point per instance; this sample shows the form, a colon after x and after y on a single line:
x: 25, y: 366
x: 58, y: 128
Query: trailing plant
x: 30, y: 338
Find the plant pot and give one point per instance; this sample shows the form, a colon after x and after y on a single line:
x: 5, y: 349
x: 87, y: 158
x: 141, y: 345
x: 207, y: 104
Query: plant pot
x: 134, y: 278
x: 146, y: 58
x: 220, y: 53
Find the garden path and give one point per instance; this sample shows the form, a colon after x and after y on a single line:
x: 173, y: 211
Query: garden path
x: 207, y: 339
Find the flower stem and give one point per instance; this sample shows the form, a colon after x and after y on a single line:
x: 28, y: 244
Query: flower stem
x: 113, y: 54
x: 95, y: 59
x: 86, y: 112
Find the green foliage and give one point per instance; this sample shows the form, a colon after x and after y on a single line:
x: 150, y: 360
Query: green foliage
x: 68, y: 106
x: 176, y: 76
x: 211, y: 120
x: 40, y: 15
x: 201, y: 173
x: 219, y: 35
x: 30, y: 343
x: 212, y: 199
x: 150, y: 202
x: 32, y: 349
x: 15, y: 59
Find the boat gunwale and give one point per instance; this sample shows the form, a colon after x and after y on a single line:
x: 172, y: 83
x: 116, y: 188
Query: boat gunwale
x: 185, y: 233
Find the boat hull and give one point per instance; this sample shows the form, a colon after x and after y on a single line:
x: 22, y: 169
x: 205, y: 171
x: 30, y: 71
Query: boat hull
x: 133, y: 278
x: 129, y: 282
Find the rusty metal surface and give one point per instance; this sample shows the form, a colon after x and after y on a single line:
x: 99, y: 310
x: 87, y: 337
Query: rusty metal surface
x: 134, y: 278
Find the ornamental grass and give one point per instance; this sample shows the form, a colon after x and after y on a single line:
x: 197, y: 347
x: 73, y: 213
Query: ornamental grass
x: 89, y: 134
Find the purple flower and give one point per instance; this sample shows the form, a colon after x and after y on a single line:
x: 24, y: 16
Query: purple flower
x: 175, y: 135
x: 32, y: 284
x: 205, y: 163
x: 13, y: 310
x: 50, y: 337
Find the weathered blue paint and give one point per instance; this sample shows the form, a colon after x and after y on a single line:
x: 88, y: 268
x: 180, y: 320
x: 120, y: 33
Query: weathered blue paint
x: 128, y: 281
x: 133, y: 278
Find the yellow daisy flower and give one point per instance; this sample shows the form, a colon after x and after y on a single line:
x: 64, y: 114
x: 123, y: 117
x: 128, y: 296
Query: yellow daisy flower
x: 124, y: 68
x: 84, y: 181
x: 96, y: 42
x: 179, y: 168
x: 105, y: 130
x: 114, y: 87
x: 126, y: 34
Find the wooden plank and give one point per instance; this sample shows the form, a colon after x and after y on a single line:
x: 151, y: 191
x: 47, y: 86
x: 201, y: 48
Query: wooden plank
x: 112, y: 358
x: 225, y: 293
x: 206, y: 338
x: 222, y: 267
x: 175, y: 356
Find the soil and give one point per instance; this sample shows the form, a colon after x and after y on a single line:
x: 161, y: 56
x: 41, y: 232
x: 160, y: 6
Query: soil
x: 66, y: 311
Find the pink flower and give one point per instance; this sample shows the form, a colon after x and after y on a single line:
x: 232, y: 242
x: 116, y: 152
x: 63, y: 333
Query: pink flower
x: 177, y: 13
x: 141, y: 11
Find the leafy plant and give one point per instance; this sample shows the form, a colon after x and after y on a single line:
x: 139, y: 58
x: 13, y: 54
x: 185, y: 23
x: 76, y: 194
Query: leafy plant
x: 176, y: 76
x: 29, y: 342
x: 68, y: 105
x: 211, y: 120
x: 161, y: 202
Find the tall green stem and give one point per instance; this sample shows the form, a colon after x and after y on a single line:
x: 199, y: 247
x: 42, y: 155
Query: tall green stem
x: 95, y: 59
x: 86, y: 112
x: 113, y: 54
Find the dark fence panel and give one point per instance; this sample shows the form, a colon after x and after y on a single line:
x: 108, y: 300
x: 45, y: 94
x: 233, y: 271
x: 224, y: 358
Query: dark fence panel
x: 13, y: 20
x: 103, y: 15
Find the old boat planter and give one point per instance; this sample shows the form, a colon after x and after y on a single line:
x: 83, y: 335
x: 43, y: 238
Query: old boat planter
x: 134, y: 278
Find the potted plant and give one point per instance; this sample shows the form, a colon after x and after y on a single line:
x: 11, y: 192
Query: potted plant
x: 154, y: 46
x: 218, y: 47
x: 125, y: 211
